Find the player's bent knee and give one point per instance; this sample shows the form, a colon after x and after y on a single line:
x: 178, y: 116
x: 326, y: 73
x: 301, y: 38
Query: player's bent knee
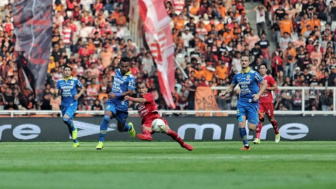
x: 240, y: 119
x: 106, y: 118
x: 65, y: 119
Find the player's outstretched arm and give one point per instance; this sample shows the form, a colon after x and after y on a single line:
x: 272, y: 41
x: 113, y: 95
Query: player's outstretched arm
x: 114, y: 95
x: 273, y: 88
x: 262, y: 89
x: 81, y: 92
x: 140, y: 100
x: 228, y: 90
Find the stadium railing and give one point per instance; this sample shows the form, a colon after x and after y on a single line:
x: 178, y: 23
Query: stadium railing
x: 303, y: 90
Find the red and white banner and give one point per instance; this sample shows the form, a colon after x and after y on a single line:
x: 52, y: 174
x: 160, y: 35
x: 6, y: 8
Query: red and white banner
x: 160, y: 41
x: 178, y: 5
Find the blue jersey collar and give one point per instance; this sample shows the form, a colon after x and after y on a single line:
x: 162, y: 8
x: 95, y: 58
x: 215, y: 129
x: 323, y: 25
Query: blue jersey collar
x: 67, y: 79
x: 128, y: 73
x: 247, y: 70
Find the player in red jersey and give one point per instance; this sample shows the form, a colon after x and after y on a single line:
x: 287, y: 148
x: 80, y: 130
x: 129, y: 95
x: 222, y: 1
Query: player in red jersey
x: 149, y: 112
x: 266, y: 105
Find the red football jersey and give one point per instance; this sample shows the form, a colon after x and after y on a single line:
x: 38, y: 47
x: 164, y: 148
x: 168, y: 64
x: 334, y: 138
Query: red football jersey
x: 267, y: 96
x: 148, y: 108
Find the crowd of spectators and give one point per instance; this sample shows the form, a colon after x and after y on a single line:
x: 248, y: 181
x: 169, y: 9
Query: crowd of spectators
x: 210, y: 36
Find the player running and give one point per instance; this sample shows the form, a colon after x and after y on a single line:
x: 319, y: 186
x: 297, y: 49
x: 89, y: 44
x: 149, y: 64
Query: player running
x: 248, y: 105
x: 67, y: 88
x: 117, y: 106
x: 266, y: 105
x: 149, y: 112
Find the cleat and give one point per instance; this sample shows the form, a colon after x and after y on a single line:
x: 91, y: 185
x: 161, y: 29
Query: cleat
x: 187, y: 146
x: 277, y: 138
x: 75, y: 145
x: 261, y: 116
x: 132, y: 132
x: 246, y: 148
x: 144, y: 137
x: 74, y: 134
x: 256, y: 141
x: 100, y: 146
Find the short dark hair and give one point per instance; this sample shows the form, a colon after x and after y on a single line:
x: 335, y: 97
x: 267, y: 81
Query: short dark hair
x: 67, y: 66
x: 263, y: 64
x: 245, y: 56
x: 139, y: 83
x: 125, y: 59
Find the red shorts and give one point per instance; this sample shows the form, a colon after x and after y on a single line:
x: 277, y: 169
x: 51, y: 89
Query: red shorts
x: 147, y: 122
x: 267, y: 108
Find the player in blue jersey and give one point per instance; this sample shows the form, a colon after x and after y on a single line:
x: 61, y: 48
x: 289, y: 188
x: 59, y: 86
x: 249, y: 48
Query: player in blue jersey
x: 248, y: 105
x: 117, y: 106
x: 67, y: 88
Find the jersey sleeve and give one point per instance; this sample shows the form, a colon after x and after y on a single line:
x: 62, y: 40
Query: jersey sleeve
x: 79, y: 84
x: 258, y: 77
x: 149, y: 97
x: 234, y: 80
x: 58, y: 85
x: 131, y: 83
x: 271, y: 81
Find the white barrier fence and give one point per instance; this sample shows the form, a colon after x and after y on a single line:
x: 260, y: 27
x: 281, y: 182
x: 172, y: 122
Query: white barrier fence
x: 303, y: 90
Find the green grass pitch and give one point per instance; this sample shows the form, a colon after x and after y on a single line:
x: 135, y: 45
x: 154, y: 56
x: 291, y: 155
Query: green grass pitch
x: 161, y: 165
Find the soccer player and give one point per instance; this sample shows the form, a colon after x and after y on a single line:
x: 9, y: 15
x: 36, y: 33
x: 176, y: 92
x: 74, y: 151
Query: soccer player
x: 266, y: 105
x: 149, y: 112
x: 117, y: 106
x: 67, y: 88
x: 248, y: 105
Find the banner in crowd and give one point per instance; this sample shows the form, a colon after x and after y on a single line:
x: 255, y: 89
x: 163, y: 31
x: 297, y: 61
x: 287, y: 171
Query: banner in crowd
x: 160, y: 41
x: 33, y: 31
x: 205, y: 100
x: 188, y: 128
x: 178, y: 5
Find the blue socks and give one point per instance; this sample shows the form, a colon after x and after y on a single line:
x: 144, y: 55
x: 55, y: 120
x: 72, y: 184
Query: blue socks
x: 103, y: 127
x: 71, y: 126
x: 243, y: 135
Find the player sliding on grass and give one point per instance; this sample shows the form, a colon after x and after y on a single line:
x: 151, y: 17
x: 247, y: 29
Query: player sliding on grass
x: 248, y: 105
x: 149, y: 112
x: 266, y: 105
x: 117, y: 106
x: 67, y: 87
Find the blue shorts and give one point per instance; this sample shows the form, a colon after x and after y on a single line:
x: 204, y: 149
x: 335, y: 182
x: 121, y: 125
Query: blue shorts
x: 69, y: 109
x: 121, y: 116
x: 250, y: 110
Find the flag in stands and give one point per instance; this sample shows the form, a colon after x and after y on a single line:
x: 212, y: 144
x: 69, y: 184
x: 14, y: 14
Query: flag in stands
x: 160, y: 41
x: 178, y: 6
x: 33, y: 30
x: 205, y: 100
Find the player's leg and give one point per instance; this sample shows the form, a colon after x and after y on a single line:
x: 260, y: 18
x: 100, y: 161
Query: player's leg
x: 252, y: 110
x: 109, y: 111
x: 241, y: 116
x: 122, y: 126
x: 176, y: 137
x: 146, y: 132
x: 67, y: 119
x: 270, y: 115
x: 259, y: 126
x: 146, y: 129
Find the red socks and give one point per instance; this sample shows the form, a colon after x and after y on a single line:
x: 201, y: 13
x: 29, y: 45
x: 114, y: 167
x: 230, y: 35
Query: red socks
x: 275, y: 126
x: 174, y: 136
x: 258, y: 130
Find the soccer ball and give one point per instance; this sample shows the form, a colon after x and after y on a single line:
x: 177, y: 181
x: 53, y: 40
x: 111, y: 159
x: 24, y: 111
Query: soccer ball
x: 158, y: 125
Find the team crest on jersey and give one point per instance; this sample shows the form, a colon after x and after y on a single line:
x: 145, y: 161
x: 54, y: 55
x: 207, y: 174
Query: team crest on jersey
x: 72, y: 82
x: 108, y: 106
x: 248, y: 76
x: 125, y: 77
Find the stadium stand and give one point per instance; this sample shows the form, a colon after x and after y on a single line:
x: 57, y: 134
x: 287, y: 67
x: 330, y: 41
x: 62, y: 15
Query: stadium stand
x: 296, y: 39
